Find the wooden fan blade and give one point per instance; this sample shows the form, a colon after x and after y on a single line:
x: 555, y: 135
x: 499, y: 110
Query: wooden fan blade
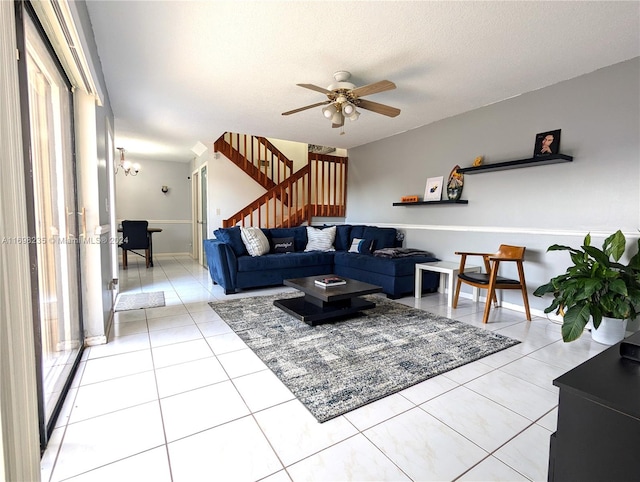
x: 374, y: 88
x: 306, y: 107
x: 316, y: 88
x: 378, y: 108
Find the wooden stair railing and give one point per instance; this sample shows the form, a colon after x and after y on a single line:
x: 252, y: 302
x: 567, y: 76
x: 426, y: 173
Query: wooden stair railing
x: 256, y: 156
x: 267, y: 211
x: 329, y: 185
x: 318, y: 189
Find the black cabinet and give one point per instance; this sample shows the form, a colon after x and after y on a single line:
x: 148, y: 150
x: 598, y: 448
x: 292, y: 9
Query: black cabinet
x: 598, y: 434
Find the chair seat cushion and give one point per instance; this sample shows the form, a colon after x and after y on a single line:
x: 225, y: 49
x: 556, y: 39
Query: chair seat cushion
x: 483, y: 278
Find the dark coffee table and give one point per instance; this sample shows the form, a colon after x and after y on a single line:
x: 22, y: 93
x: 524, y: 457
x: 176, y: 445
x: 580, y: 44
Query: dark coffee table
x: 325, y: 304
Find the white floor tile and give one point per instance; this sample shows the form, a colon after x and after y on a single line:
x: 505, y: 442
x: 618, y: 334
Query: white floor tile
x: 174, y: 335
x: 518, y: 453
x: 122, y: 344
x: 534, y: 371
x: 522, y: 397
x: 225, y: 343
x: 241, y: 362
x: 172, y: 321
x: 378, y: 411
x: 214, y: 328
x: 152, y: 465
x: 106, y: 439
x: 176, y: 353
x: 423, y: 447
x: 550, y: 420
x: 235, y: 451
x: 484, y: 422
x: 115, y: 366
x: 428, y: 389
x: 491, y: 469
x: 295, y: 434
x: 353, y: 459
x: 201, y: 409
x: 262, y: 390
x: 112, y: 395
x: 129, y: 328
x: 186, y: 376
x: 129, y: 315
x: 163, y: 311
x: 468, y: 372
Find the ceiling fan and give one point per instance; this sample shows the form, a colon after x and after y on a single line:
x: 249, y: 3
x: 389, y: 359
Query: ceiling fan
x: 343, y: 97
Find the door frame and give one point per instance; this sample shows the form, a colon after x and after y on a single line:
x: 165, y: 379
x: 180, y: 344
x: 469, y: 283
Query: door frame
x: 197, y: 235
x: 24, y: 11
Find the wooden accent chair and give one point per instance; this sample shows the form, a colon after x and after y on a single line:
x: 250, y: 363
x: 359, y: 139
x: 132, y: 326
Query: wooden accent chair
x: 490, y: 280
x: 135, y: 236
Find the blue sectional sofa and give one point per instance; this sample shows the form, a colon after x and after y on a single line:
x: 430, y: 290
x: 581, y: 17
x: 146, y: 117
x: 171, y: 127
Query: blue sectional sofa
x: 231, y: 266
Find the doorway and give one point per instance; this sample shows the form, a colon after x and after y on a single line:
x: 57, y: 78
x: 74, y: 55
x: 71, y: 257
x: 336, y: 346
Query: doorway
x: 199, y: 208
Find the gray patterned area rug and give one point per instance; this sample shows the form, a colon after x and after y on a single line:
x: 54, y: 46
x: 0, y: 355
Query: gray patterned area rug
x: 136, y: 301
x: 336, y: 367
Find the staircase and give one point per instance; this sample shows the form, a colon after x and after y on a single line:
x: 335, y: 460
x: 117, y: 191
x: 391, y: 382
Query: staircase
x: 256, y: 156
x: 317, y: 189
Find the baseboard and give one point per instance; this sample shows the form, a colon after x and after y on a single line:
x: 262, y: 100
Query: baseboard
x: 516, y: 307
x: 95, y: 340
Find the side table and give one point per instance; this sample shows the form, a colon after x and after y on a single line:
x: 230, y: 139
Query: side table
x: 448, y: 274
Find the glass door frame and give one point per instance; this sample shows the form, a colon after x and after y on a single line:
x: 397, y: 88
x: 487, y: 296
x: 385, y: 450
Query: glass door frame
x: 24, y: 12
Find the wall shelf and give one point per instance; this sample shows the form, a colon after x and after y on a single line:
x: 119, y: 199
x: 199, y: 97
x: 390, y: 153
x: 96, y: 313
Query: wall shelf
x: 425, y: 203
x: 501, y: 166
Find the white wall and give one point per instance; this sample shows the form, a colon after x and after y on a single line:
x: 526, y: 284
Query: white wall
x: 296, y: 152
x: 229, y: 190
x: 599, y: 115
x: 141, y: 197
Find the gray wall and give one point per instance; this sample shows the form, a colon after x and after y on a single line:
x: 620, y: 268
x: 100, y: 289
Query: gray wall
x: 599, y: 192
x: 140, y: 197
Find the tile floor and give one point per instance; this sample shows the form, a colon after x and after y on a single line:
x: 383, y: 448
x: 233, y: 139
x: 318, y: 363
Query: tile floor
x: 176, y: 396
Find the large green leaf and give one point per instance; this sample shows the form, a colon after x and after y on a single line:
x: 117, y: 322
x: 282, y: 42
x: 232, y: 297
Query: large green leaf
x: 575, y: 319
x: 559, y: 247
x: 598, y: 255
x: 614, y: 245
x: 618, y: 286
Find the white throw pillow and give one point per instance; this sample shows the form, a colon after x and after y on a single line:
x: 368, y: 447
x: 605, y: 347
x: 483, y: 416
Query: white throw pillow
x: 320, y: 239
x: 255, y: 241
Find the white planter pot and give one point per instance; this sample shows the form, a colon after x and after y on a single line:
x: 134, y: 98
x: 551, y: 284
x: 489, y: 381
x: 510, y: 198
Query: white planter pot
x: 610, y: 331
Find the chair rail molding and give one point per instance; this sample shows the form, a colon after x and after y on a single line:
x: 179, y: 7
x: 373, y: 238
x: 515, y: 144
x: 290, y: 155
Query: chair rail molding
x: 503, y: 229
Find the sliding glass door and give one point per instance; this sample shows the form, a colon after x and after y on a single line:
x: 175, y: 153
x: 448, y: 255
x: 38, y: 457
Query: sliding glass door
x: 53, y: 221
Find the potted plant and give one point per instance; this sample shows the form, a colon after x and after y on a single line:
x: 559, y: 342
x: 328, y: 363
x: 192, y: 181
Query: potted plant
x: 596, y: 286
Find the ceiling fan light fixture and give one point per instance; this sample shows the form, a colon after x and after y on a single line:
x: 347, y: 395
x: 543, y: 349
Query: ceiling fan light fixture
x: 329, y: 111
x: 336, y: 118
x: 348, y: 109
x: 354, y: 116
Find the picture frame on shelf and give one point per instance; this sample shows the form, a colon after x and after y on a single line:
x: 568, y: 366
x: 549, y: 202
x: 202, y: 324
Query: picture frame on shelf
x: 433, y: 190
x: 547, y: 143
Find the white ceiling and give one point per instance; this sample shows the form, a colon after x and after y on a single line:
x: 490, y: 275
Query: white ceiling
x: 179, y: 72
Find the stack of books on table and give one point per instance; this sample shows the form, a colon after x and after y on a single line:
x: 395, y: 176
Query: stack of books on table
x: 330, y: 281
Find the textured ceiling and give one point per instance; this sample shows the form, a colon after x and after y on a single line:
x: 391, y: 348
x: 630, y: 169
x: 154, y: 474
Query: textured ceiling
x: 179, y: 72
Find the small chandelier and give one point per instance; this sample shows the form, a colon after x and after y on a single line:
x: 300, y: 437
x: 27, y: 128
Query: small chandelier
x: 127, y: 166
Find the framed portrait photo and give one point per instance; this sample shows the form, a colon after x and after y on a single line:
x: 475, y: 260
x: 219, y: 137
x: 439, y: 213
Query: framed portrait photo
x: 433, y: 191
x: 547, y: 143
